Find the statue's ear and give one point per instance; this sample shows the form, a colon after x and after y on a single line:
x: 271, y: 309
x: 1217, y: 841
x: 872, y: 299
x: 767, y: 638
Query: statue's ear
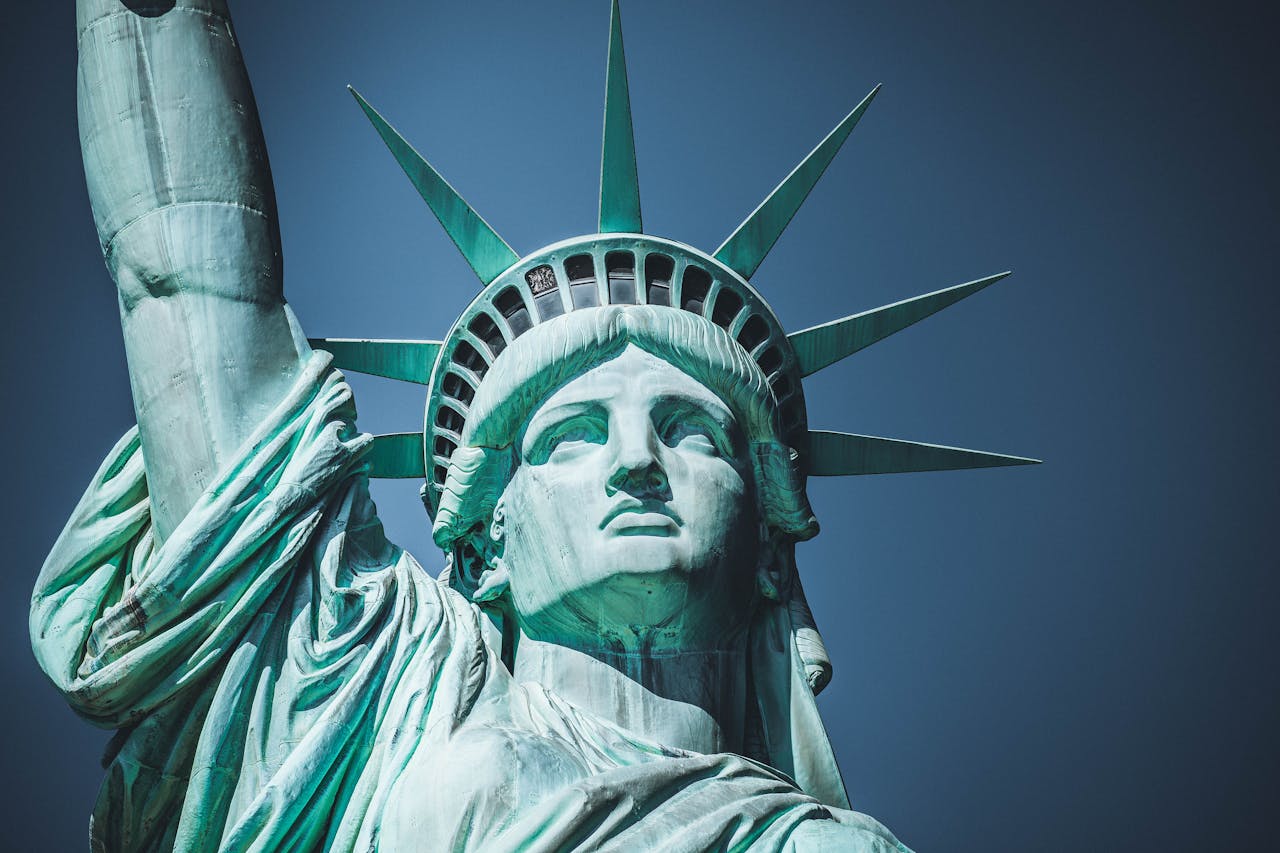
x: 497, y: 525
x: 495, y: 579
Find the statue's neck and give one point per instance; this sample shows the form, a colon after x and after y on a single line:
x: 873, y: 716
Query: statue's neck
x: 694, y: 700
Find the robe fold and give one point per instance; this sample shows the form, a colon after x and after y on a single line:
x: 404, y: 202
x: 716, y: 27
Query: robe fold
x: 283, y: 678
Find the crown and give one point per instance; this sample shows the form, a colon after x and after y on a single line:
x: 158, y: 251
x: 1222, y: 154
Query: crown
x: 620, y: 265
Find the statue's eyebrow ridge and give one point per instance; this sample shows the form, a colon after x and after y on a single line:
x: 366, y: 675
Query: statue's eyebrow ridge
x: 545, y: 418
x: 711, y: 404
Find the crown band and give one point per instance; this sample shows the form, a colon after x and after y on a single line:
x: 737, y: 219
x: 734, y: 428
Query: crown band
x: 590, y: 272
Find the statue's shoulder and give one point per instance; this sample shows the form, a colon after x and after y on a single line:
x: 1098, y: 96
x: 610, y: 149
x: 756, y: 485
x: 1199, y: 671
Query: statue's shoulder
x: 491, y: 766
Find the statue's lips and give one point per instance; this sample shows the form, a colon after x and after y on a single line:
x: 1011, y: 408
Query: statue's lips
x: 637, y: 519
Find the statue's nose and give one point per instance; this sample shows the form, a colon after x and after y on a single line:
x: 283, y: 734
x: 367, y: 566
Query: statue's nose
x: 637, y: 463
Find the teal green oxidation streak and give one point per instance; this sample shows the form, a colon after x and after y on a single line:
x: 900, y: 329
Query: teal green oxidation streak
x: 834, y: 454
x: 619, y: 179
x: 408, y: 361
x: 397, y: 456
x: 820, y: 346
x: 486, y: 252
x: 748, y: 245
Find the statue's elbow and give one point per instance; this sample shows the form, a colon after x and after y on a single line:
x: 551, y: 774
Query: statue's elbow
x: 208, y: 249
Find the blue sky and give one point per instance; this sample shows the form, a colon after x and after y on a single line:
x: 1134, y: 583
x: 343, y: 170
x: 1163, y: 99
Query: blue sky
x: 1073, y: 655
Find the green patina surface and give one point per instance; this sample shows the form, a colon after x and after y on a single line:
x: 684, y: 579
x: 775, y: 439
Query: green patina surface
x: 619, y: 180
x: 747, y: 246
x: 617, y: 654
x: 820, y: 346
x: 486, y: 252
x: 408, y: 361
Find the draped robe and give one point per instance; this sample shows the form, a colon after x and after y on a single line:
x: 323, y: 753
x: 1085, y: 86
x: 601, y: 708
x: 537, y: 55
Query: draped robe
x: 284, y: 678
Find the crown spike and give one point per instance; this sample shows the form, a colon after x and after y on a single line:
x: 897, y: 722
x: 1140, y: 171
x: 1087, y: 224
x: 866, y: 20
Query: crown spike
x: 834, y: 454
x: 397, y: 456
x: 747, y: 246
x: 486, y: 252
x: 619, y: 180
x: 823, y: 345
x: 408, y: 361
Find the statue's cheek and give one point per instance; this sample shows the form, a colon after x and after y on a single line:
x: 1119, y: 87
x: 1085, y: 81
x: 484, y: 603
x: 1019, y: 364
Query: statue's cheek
x: 720, y: 507
x: 713, y: 479
x: 573, y: 487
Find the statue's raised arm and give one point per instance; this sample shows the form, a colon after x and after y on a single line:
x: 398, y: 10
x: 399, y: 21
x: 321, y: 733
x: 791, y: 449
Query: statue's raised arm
x: 182, y: 197
x: 615, y: 451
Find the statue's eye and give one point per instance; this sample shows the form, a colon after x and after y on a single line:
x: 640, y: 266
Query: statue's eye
x: 691, y: 431
x: 572, y: 435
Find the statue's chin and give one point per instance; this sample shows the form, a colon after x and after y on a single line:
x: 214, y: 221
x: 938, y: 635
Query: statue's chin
x: 652, y: 602
x: 626, y: 588
x: 641, y: 555
x: 651, y: 593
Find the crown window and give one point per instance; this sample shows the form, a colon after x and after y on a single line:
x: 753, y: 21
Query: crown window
x: 727, y: 306
x: 693, y: 289
x: 770, y: 360
x: 486, y: 330
x: 458, y: 388
x: 465, y: 355
x: 512, y: 307
x: 581, y: 272
x: 657, y: 278
x: 621, y: 267
x: 754, y: 332
x: 448, y: 419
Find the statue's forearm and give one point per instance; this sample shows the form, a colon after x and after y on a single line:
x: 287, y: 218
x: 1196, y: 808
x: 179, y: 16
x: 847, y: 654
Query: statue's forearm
x: 182, y: 198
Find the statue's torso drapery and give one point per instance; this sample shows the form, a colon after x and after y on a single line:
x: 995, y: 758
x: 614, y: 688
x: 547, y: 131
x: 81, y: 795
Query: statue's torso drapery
x: 284, y: 678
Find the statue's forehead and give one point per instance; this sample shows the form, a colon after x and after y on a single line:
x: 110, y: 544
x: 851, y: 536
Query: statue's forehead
x: 634, y: 376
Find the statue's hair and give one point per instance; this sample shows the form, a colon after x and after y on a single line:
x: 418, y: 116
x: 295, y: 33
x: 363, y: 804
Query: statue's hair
x: 551, y: 354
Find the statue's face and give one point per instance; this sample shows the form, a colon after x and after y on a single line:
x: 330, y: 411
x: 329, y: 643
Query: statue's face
x: 632, y: 514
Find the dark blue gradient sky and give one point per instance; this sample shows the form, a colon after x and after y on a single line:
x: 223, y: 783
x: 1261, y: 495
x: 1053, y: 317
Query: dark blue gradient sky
x: 1079, y: 655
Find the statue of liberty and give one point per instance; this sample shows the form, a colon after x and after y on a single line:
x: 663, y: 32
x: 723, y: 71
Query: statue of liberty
x: 617, y: 653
